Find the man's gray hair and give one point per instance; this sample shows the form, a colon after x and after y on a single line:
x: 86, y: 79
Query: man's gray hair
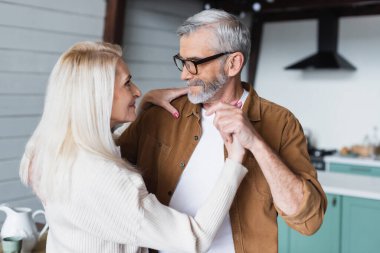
x: 231, y: 34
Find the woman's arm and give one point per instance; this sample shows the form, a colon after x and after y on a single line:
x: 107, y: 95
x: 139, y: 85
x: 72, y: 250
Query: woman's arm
x: 159, y: 97
x: 164, y: 228
x: 112, y: 204
x: 162, y: 97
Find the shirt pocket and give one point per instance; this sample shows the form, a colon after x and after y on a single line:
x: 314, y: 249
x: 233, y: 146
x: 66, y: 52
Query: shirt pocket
x: 154, y: 154
x: 158, y: 147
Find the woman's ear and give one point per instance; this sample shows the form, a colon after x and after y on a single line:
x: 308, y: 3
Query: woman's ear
x: 234, y: 63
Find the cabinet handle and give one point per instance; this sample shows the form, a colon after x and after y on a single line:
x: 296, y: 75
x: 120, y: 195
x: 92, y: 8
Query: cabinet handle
x: 334, y: 202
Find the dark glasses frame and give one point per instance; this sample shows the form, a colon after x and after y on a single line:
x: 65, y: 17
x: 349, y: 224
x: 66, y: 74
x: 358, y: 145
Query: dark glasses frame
x: 185, y: 62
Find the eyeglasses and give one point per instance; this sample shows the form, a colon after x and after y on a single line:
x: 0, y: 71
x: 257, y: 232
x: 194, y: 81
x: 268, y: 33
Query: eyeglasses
x: 192, y: 65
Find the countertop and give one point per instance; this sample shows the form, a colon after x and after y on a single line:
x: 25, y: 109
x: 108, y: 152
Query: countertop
x: 350, y: 185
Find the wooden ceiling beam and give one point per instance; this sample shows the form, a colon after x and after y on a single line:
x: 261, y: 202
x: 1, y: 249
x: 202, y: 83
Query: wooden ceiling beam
x: 114, y: 21
x: 301, y: 5
x: 373, y: 9
x: 302, y: 8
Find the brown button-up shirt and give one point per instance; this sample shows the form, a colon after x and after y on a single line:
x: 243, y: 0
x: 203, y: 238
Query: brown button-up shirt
x: 161, y: 147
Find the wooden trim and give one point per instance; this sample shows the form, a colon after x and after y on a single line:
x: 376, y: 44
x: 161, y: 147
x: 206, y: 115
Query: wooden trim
x: 345, y: 11
x: 256, y: 34
x: 304, y: 5
x: 278, y: 7
x: 114, y: 21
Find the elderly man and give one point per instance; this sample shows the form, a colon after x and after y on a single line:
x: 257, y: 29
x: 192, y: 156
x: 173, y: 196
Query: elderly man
x: 180, y: 157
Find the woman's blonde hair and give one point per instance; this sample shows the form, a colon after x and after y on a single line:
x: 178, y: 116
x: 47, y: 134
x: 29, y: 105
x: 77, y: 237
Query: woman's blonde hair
x: 76, y: 115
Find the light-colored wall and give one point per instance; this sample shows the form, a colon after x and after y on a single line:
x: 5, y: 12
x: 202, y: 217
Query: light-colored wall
x: 339, y: 107
x: 150, y: 40
x: 33, y: 33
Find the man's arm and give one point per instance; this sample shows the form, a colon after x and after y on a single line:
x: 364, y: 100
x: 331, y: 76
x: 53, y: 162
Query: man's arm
x: 285, y: 186
x: 296, y: 192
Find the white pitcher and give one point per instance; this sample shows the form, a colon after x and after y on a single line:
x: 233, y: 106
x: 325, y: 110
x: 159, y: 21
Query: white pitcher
x: 20, y: 222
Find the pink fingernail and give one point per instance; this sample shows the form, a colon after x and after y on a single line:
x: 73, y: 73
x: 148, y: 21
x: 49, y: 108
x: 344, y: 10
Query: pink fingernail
x: 176, y: 115
x: 239, y: 104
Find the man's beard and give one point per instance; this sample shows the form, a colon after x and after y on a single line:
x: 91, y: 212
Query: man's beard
x: 209, y: 89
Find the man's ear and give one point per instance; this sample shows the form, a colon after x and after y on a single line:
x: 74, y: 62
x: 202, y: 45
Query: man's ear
x: 234, y: 63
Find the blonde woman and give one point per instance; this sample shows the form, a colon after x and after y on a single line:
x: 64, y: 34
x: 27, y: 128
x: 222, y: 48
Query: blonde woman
x: 94, y: 200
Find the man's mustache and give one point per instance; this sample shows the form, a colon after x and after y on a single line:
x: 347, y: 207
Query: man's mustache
x: 195, y: 83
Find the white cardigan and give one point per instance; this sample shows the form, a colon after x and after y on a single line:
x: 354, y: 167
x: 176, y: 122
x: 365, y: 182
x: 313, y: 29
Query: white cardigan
x: 110, y: 210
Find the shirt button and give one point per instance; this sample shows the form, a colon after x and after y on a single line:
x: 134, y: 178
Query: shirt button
x: 182, y: 165
x: 196, y: 137
x: 170, y: 193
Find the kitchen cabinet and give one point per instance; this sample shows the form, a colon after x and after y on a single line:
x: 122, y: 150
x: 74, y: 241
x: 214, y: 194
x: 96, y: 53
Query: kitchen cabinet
x: 351, y: 225
x: 326, y: 239
x: 283, y: 236
x: 360, y: 225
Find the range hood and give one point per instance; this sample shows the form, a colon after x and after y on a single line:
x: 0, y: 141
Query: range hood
x: 327, y: 56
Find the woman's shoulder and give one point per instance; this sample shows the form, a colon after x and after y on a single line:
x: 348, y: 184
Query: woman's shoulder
x: 91, y: 161
x: 94, y: 168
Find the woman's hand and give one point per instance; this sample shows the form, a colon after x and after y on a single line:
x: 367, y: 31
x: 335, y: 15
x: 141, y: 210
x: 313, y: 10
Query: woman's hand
x: 231, y: 120
x: 231, y: 139
x: 235, y: 150
x: 162, y: 97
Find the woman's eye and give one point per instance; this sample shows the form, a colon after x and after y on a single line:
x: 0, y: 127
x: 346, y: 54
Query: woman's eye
x: 128, y: 82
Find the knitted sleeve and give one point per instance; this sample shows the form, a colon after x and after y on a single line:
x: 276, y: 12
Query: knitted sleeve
x: 164, y: 228
x: 114, y: 205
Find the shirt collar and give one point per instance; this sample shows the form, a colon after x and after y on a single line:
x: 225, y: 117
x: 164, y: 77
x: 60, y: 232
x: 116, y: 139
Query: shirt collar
x: 192, y: 109
x: 251, y: 106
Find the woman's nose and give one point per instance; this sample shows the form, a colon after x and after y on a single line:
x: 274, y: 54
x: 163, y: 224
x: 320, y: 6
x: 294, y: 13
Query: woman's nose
x: 136, y: 91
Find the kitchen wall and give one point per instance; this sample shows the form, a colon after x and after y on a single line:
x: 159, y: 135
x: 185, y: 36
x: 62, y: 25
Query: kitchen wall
x: 33, y: 33
x: 339, y: 107
x: 150, y: 40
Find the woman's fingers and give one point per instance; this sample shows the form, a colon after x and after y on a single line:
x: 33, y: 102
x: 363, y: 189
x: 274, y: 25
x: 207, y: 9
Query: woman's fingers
x: 226, y: 137
x: 177, y: 92
x: 173, y: 111
x: 163, y: 97
x: 174, y: 93
x: 225, y: 127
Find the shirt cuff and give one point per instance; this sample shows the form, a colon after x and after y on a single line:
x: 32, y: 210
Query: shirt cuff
x: 310, y: 205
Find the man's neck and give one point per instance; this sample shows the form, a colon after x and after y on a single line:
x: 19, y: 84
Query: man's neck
x: 232, y: 91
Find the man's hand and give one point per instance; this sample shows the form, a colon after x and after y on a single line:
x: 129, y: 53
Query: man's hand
x: 285, y: 186
x: 230, y: 120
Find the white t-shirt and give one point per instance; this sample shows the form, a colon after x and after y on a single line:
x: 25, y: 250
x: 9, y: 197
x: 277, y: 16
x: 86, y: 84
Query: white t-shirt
x: 199, y: 177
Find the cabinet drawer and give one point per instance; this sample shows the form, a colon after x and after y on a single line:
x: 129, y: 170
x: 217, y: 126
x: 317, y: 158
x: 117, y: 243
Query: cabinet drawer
x: 355, y: 169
